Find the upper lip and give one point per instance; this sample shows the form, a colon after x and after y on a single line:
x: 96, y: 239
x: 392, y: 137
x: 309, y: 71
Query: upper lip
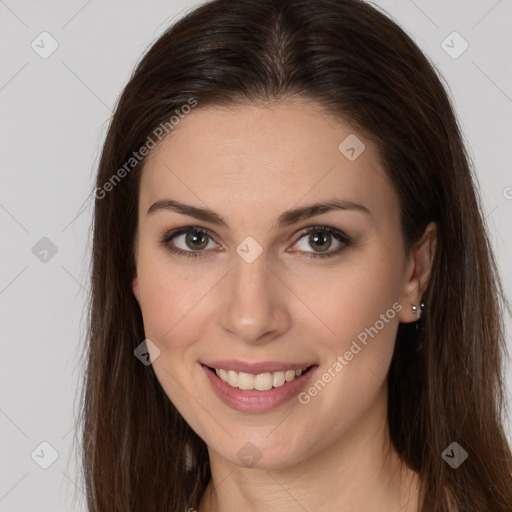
x: 256, y: 367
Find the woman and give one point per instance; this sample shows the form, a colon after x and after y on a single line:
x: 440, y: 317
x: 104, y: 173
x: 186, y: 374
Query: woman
x: 295, y: 305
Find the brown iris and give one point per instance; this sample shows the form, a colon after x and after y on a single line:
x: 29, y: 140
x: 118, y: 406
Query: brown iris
x: 321, y: 238
x: 196, y: 240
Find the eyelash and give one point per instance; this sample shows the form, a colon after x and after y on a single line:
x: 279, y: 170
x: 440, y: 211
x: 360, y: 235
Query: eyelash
x: 339, y: 235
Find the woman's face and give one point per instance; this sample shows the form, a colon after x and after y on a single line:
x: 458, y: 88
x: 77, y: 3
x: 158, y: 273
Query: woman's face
x: 254, y: 293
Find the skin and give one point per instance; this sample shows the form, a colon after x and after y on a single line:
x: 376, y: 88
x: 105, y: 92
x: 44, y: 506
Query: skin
x: 250, y: 164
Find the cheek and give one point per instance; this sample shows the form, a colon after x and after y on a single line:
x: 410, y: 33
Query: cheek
x: 172, y: 305
x: 349, y: 299
x: 361, y: 307
x: 173, y: 300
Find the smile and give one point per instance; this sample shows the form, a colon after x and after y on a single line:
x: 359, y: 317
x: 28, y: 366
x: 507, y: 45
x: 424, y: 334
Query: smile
x: 261, y: 381
x: 257, y: 391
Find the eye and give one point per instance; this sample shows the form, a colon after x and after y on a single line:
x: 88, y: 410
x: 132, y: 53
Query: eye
x: 321, y: 238
x: 189, y: 242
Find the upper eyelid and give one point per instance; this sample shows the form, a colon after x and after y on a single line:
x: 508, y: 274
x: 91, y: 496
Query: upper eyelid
x: 188, y: 229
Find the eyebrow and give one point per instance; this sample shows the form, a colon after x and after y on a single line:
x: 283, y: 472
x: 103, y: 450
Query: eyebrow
x: 287, y: 218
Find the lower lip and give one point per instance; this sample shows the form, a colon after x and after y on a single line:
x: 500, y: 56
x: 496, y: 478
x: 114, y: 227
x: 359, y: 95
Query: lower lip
x: 257, y: 401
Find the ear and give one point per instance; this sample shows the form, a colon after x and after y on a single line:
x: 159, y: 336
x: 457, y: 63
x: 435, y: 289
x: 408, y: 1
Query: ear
x: 135, y: 288
x: 417, y: 273
x: 135, y: 280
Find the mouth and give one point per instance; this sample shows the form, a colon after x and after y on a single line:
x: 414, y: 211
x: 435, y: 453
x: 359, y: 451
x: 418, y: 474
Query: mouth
x: 258, y: 391
x: 261, y: 381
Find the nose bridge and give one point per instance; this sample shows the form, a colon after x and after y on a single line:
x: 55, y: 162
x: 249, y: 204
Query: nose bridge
x: 253, y: 308
x: 250, y: 279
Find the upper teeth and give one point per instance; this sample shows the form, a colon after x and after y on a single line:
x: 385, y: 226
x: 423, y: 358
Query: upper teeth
x: 260, y: 382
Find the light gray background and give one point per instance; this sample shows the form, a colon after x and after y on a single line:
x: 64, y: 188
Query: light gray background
x: 54, y: 115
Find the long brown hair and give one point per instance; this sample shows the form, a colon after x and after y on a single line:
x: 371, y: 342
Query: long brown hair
x: 357, y: 65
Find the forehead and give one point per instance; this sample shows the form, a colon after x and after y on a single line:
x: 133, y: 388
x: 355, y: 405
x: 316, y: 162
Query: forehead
x: 254, y: 157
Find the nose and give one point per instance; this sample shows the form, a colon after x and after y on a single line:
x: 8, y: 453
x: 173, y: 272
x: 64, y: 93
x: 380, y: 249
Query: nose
x: 255, y: 307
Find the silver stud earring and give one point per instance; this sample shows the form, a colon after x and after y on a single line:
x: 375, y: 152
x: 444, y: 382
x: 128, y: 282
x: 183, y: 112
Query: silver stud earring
x: 416, y: 311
